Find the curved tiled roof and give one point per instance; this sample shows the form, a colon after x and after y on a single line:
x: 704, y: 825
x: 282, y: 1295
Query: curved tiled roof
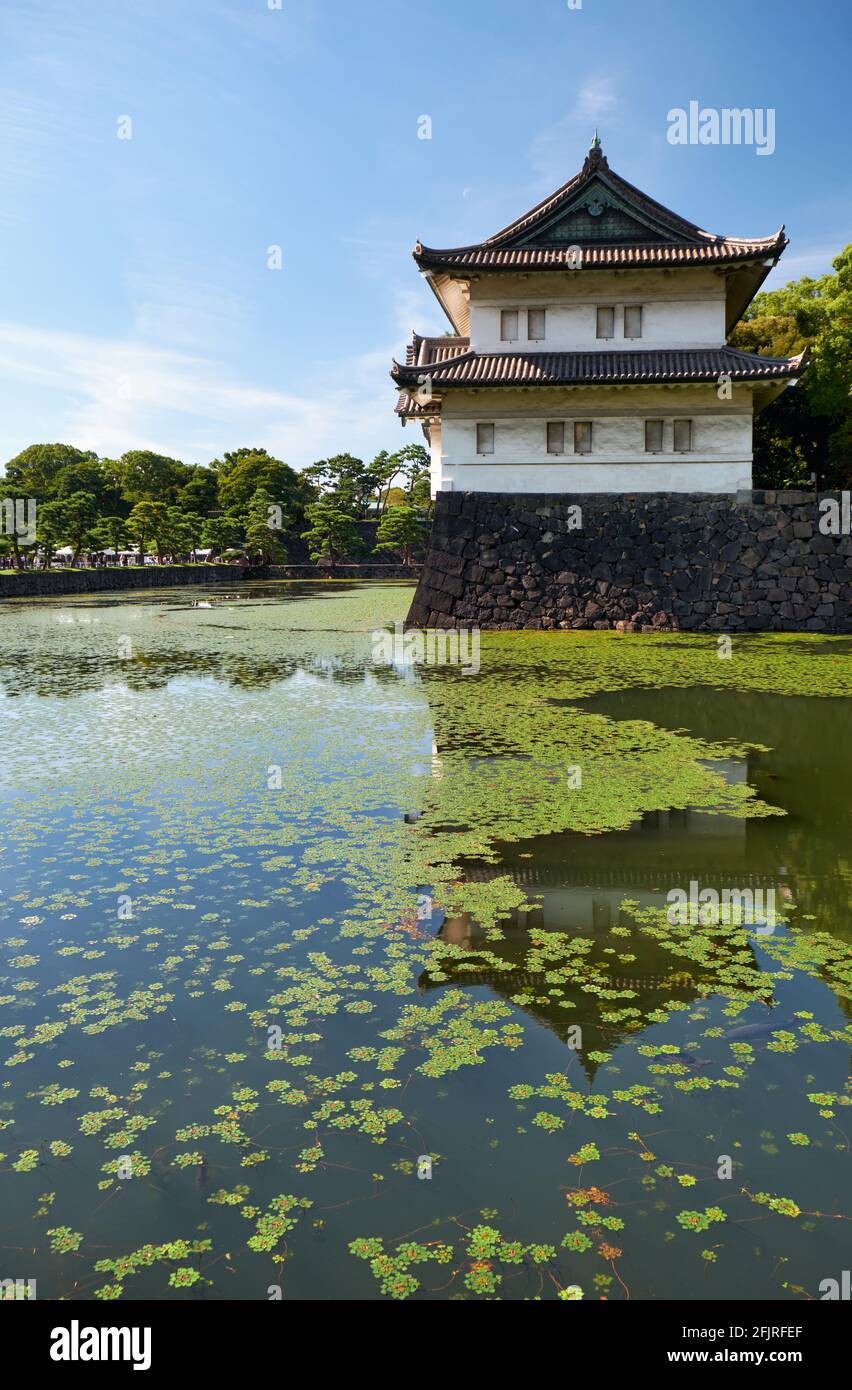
x: 677, y: 241
x: 410, y: 409
x: 472, y: 369
x: 422, y: 350
x: 613, y: 257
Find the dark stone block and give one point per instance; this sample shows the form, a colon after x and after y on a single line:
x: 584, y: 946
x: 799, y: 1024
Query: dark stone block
x: 693, y: 561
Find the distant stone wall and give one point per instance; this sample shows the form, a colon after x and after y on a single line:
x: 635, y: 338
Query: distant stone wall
x: 43, y: 583
x: 647, y: 562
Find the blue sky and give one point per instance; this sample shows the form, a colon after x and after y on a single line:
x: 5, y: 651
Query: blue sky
x: 137, y: 308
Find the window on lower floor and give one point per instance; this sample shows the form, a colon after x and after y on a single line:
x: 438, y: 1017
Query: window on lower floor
x: 582, y: 436
x: 556, y: 437
x: 653, y: 436
x: 485, y: 439
x: 633, y: 320
x: 682, y: 436
x: 509, y: 325
x: 606, y: 323
x: 536, y: 325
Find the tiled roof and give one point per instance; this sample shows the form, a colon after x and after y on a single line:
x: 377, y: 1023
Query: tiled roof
x: 599, y: 368
x: 485, y: 257
x: 421, y: 354
x: 530, y: 242
x: 425, y: 351
x: 410, y: 409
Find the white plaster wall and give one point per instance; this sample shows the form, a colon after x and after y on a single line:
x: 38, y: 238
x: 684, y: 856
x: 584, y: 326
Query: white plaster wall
x: 586, y: 476
x: 681, y: 309
x: 720, y: 459
x: 615, y: 439
x: 435, y: 455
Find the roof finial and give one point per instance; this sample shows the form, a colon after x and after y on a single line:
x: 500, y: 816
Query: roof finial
x: 595, y: 159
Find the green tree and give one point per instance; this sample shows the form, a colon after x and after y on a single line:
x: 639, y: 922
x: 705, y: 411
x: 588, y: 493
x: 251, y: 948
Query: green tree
x: 66, y: 519
x: 240, y: 474
x: 332, y: 534
x: 345, y: 483
x: 50, y: 529
x: 384, y: 470
x: 79, y: 514
x: 89, y: 475
x: 34, y: 471
x: 263, y: 535
x: 221, y: 533
x: 150, y: 477
x: 178, y: 533
x: 110, y: 533
x: 147, y: 521
x: 199, y: 493
x: 402, y: 529
x: 17, y: 507
x: 418, y: 473
x: 809, y: 428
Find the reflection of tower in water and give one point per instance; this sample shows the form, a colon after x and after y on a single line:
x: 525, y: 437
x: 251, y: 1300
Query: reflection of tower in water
x: 577, y: 884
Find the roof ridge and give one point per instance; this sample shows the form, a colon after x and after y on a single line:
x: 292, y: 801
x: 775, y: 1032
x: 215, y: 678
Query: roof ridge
x: 597, y: 165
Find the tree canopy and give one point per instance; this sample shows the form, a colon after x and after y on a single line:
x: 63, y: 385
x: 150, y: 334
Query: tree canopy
x: 247, y: 500
x: 809, y: 429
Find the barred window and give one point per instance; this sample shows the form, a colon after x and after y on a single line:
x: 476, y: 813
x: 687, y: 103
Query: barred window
x: 556, y: 437
x: 653, y: 436
x: 582, y: 436
x: 633, y: 320
x: 536, y: 325
x: 509, y: 325
x: 606, y: 323
x: 682, y: 436
x: 485, y: 439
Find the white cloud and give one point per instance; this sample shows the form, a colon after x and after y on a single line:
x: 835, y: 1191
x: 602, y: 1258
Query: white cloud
x: 595, y: 99
x: 557, y: 151
x: 111, y: 395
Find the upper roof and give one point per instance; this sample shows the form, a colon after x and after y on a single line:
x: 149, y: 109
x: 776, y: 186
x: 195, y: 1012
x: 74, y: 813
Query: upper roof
x: 597, y: 220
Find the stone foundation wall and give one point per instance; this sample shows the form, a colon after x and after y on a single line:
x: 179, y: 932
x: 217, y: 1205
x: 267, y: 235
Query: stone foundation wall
x: 648, y: 562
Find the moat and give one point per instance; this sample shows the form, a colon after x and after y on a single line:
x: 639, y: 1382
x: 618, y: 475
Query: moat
x: 282, y: 919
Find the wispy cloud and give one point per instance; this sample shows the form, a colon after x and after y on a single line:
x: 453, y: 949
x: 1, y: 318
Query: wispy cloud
x: 595, y: 99
x: 555, y: 148
x: 111, y: 395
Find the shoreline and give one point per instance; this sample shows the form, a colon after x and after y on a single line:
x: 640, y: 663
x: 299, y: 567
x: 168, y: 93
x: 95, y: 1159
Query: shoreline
x: 47, y: 583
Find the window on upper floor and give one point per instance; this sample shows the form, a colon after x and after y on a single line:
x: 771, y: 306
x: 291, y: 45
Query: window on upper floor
x: 485, y: 439
x: 682, y: 436
x: 582, y: 436
x: 633, y: 320
x: 606, y: 323
x: 509, y: 325
x: 653, y: 436
x: 536, y: 325
x: 556, y: 437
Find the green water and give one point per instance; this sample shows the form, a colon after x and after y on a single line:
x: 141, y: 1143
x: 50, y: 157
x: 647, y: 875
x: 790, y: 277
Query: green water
x: 205, y: 839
